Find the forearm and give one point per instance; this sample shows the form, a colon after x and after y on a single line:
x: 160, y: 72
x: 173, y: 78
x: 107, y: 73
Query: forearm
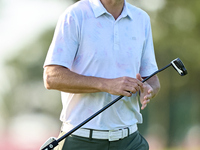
x: 155, y: 84
x: 62, y: 79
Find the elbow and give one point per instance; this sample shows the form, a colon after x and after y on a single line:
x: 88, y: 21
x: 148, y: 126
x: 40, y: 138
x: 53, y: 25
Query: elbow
x: 158, y: 87
x: 47, y: 86
x: 48, y: 81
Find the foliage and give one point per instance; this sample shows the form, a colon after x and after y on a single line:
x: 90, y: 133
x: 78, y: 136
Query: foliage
x: 176, y: 34
x: 25, y: 75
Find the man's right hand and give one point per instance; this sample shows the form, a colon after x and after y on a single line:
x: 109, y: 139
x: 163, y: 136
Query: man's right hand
x: 123, y: 86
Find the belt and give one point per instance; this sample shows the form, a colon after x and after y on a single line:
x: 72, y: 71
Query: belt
x: 110, y: 135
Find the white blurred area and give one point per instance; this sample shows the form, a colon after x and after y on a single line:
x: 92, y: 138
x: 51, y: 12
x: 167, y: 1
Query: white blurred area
x: 21, y: 22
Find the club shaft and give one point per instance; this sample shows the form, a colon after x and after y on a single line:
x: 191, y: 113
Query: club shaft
x: 90, y: 118
x: 156, y: 72
x: 104, y: 108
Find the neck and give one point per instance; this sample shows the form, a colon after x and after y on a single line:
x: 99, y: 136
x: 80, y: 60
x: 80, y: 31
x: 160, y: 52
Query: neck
x: 114, y: 7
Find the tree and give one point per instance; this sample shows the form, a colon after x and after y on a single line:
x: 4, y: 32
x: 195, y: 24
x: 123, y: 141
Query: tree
x: 25, y: 75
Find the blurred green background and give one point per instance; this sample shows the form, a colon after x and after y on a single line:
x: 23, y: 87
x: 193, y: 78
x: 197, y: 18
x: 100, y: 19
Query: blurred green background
x: 29, y: 114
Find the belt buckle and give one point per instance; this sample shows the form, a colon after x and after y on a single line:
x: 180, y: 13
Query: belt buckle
x: 125, y: 132
x: 114, y: 135
x: 118, y: 134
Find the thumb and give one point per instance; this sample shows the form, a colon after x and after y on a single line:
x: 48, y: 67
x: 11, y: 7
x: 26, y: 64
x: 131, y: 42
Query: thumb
x: 138, y: 76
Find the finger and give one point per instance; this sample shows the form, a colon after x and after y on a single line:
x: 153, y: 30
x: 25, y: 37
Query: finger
x: 144, y: 106
x: 127, y: 93
x: 137, y: 81
x: 138, y: 76
x: 132, y: 87
x: 150, y: 91
x: 148, y: 96
x: 146, y: 102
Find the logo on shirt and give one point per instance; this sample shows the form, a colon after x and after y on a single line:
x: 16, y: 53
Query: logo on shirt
x: 134, y: 38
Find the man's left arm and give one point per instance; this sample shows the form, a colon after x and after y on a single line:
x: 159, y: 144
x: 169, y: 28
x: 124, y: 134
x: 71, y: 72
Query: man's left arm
x: 150, y: 89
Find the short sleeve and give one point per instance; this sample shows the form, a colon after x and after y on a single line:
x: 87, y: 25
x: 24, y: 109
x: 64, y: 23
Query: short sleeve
x: 65, y: 42
x: 148, y: 61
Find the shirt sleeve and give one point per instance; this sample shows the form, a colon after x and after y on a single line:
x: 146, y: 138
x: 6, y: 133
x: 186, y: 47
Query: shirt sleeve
x: 148, y: 61
x: 65, y: 43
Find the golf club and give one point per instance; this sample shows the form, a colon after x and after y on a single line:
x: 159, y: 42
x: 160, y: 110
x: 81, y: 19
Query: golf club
x: 53, y: 142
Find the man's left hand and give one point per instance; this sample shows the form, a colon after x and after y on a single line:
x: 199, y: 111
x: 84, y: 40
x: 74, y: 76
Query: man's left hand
x: 146, y: 93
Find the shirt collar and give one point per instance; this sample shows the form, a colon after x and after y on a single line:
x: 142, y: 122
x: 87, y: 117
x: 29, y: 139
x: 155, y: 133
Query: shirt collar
x: 126, y: 11
x: 99, y: 9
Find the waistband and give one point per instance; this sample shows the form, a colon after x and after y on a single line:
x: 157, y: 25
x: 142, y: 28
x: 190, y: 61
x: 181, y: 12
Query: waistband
x: 110, y: 135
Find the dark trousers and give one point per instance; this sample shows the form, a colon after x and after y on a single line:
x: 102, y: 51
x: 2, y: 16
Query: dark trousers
x: 134, y: 141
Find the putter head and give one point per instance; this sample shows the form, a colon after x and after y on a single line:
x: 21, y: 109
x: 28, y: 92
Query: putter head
x: 179, y: 66
x: 49, y: 141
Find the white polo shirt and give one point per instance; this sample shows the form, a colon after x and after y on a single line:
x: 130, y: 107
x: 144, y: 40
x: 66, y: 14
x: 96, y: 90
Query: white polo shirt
x: 89, y: 41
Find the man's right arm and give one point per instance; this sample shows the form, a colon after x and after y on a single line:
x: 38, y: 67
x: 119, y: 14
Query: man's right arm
x: 62, y: 79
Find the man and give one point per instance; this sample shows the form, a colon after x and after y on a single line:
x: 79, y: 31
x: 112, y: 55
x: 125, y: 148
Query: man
x: 101, y: 49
